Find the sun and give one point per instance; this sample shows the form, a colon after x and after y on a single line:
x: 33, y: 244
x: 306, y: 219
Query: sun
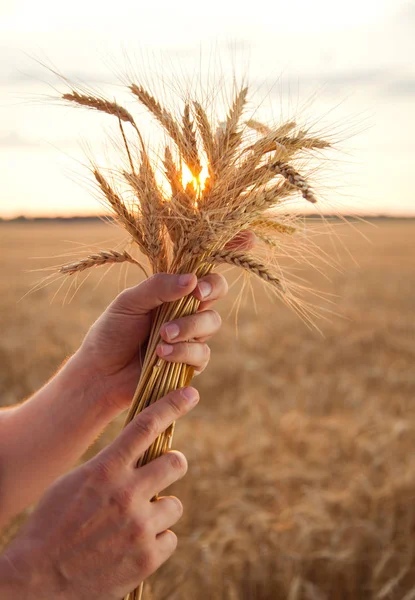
x: 198, y: 182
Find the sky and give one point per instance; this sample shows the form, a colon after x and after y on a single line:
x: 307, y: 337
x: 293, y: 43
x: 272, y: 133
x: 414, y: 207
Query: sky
x: 348, y: 68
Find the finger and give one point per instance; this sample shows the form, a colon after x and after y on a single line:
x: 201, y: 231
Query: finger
x: 194, y: 354
x: 166, y: 545
x: 161, y: 472
x: 245, y: 240
x: 153, y: 292
x: 212, y: 287
x: 134, y: 440
x: 165, y: 512
x: 200, y: 325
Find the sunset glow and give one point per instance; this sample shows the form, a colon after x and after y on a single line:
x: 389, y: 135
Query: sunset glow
x: 198, y: 182
x: 331, y: 77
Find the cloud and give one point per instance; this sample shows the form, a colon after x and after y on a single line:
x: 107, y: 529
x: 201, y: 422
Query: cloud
x: 381, y: 82
x: 404, y: 87
x: 15, y: 140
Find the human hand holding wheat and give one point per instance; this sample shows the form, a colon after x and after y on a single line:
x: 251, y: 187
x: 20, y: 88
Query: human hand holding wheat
x: 95, y: 534
x: 113, y: 350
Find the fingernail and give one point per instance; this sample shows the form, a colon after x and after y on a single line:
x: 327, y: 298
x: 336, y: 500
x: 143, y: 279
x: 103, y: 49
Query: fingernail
x: 190, y: 394
x: 205, y: 289
x: 172, y: 330
x: 166, y: 349
x: 184, y: 280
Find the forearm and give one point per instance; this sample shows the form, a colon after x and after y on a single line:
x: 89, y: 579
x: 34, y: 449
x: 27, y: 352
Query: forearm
x: 44, y: 436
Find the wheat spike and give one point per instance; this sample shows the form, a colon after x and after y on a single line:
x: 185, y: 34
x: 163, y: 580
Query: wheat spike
x: 294, y: 178
x: 258, y: 126
x: 189, y: 137
x: 99, y: 259
x: 249, y: 264
x: 234, y: 115
x: 172, y: 173
x: 151, y: 206
x: 100, y: 104
x: 272, y: 226
x: 266, y: 238
x: 293, y: 144
x: 228, y: 136
x: 162, y: 115
x: 206, y: 133
x: 127, y: 220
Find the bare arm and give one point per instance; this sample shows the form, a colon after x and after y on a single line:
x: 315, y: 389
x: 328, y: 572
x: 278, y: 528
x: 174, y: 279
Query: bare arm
x: 43, y: 437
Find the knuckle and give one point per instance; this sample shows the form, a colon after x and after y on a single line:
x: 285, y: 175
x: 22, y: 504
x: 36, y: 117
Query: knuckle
x: 123, y: 300
x: 192, y: 323
x: 187, y: 351
x: 147, y: 562
x: 122, y: 499
x: 102, y: 472
x: 177, y: 462
x: 158, y: 280
x: 147, y: 424
x: 174, y: 403
x: 138, y: 529
x: 206, y: 352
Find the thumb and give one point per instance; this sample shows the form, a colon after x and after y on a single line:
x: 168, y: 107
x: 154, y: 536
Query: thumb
x: 153, y: 292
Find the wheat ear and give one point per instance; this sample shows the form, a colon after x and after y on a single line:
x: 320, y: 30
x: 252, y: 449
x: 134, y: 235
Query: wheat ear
x: 249, y: 264
x: 122, y: 214
x: 205, y: 131
x: 189, y: 138
x: 100, y: 104
x: 272, y: 226
x: 258, y: 126
x: 99, y: 259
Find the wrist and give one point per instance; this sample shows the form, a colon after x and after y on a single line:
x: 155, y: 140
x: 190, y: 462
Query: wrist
x: 22, y: 579
x: 15, y: 579
x: 78, y: 372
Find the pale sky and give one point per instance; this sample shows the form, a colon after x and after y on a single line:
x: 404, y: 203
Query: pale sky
x: 349, y: 66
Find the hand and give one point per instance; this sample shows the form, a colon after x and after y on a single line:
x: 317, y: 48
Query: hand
x: 112, y: 351
x: 95, y: 533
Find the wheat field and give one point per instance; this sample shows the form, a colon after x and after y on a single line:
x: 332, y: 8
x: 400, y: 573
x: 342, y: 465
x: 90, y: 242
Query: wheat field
x: 301, y: 482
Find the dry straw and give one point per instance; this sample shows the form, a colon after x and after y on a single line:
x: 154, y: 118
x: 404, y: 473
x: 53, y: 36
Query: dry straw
x: 252, y: 172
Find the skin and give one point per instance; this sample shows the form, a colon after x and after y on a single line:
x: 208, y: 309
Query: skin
x: 95, y: 533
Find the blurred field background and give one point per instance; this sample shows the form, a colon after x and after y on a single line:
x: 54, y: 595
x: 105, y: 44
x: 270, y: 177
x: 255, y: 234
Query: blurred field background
x: 301, y: 483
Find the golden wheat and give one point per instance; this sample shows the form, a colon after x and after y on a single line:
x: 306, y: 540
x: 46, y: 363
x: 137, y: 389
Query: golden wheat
x: 189, y: 229
x: 105, y: 257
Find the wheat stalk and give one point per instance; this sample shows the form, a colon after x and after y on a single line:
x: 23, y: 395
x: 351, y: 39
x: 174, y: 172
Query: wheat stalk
x: 189, y: 228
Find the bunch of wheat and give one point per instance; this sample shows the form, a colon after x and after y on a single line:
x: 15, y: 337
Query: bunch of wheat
x: 251, y: 171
